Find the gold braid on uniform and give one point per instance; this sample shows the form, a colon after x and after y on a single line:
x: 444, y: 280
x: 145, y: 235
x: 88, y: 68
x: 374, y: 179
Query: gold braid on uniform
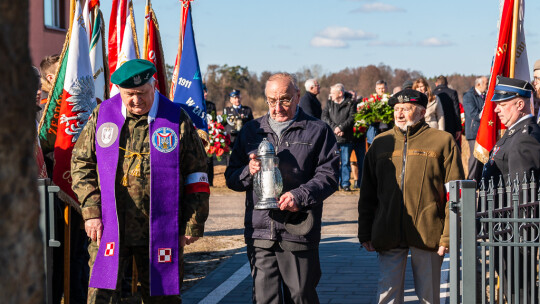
x: 137, y: 171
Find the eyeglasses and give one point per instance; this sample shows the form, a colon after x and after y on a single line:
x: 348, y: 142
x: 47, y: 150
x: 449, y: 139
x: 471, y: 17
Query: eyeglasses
x: 535, y: 79
x: 282, y: 102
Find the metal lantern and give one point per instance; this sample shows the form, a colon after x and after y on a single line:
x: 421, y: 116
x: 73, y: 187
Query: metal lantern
x: 267, y: 182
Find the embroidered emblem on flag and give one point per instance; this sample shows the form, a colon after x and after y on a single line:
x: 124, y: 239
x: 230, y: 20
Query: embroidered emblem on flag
x: 164, y: 255
x: 109, y: 250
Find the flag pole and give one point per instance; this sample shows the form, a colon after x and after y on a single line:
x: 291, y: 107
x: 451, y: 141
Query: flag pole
x: 67, y: 208
x: 515, y: 17
x: 71, y: 12
x: 145, y: 41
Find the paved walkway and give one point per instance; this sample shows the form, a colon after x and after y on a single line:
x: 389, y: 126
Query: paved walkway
x: 350, y: 275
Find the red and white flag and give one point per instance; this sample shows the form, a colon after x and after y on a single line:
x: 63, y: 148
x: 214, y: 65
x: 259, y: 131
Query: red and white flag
x: 129, y: 49
x: 183, y: 19
x: 153, y: 50
x: 78, y: 101
x: 490, y: 125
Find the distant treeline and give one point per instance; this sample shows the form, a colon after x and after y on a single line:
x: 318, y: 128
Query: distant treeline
x: 222, y: 79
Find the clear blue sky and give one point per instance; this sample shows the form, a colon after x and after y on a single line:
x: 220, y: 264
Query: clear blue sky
x: 434, y: 37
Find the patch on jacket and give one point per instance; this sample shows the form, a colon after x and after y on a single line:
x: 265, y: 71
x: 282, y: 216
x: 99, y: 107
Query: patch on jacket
x: 422, y: 153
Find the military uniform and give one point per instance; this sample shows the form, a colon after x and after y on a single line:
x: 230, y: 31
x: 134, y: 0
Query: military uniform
x: 132, y: 194
x: 518, y: 151
x: 134, y: 198
x: 236, y: 118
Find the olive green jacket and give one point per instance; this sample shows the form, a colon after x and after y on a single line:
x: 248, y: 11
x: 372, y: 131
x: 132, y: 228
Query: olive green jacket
x: 421, y: 162
x: 133, y: 196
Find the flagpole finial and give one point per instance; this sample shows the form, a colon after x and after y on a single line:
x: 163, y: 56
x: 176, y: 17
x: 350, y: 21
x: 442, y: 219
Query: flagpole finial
x: 185, y: 3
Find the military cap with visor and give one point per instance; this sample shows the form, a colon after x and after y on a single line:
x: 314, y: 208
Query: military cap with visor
x: 508, y: 88
x: 234, y: 93
x: 408, y: 96
x: 133, y: 73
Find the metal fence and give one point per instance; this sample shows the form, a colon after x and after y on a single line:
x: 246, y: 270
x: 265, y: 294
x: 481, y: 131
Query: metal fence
x: 494, y: 240
x: 47, y: 224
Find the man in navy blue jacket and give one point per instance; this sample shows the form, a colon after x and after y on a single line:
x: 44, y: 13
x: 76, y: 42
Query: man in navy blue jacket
x: 283, y: 244
x: 473, y: 103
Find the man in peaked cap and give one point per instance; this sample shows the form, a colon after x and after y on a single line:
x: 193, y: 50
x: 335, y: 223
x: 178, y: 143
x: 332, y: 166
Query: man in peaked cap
x: 237, y: 115
x: 402, y: 205
x: 516, y: 153
x: 129, y: 212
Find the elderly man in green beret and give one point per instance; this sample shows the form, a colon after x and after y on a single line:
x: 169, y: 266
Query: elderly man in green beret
x: 139, y: 171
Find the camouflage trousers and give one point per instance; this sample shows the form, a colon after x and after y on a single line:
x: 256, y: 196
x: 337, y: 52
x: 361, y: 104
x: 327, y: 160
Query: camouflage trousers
x: 106, y: 296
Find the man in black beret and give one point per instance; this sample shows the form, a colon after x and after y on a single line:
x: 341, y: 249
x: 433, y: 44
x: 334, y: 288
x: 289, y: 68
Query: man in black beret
x: 402, y: 205
x: 129, y: 212
x: 515, y: 154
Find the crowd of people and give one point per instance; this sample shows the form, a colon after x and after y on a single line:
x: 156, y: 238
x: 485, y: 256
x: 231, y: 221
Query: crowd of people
x: 142, y: 177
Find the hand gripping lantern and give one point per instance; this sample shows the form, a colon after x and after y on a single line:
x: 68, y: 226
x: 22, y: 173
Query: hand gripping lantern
x: 267, y: 183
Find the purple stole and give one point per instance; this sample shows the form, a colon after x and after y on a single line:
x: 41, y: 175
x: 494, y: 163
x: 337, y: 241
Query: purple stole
x: 164, y: 196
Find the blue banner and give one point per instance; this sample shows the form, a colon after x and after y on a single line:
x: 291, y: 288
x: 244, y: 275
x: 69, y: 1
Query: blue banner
x: 189, y: 91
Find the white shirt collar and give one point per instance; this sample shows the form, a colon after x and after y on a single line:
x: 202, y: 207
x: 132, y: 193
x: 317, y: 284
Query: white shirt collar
x: 237, y: 107
x: 521, y: 119
x: 153, y: 110
x: 478, y: 92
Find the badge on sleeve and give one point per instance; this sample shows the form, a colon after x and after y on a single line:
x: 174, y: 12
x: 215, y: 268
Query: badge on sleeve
x: 164, y: 139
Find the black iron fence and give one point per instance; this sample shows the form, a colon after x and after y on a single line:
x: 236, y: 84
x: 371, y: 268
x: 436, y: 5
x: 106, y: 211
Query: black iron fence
x: 494, y: 240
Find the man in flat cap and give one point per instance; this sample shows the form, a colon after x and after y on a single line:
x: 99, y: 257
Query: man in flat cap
x: 237, y: 115
x: 139, y: 171
x: 402, y: 206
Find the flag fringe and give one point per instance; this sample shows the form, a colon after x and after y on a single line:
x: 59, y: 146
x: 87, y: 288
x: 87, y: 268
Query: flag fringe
x: 154, y: 18
x: 105, y: 58
x: 134, y: 30
x: 480, y: 153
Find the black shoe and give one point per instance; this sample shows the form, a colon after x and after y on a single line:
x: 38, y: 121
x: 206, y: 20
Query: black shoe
x: 346, y: 189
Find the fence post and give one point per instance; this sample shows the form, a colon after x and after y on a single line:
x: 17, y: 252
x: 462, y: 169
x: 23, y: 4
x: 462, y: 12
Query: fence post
x: 455, y: 225
x: 468, y: 214
x: 47, y: 226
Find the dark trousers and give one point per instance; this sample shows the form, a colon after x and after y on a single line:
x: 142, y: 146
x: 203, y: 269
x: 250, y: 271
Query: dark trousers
x: 281, y: 276
x: 79, y: 270
x: 475, y: 166
x: 210, y: 170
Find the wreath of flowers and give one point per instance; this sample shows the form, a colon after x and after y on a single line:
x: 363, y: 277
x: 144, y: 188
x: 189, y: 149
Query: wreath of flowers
x: 372, y: 109
x: 218, y: 137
